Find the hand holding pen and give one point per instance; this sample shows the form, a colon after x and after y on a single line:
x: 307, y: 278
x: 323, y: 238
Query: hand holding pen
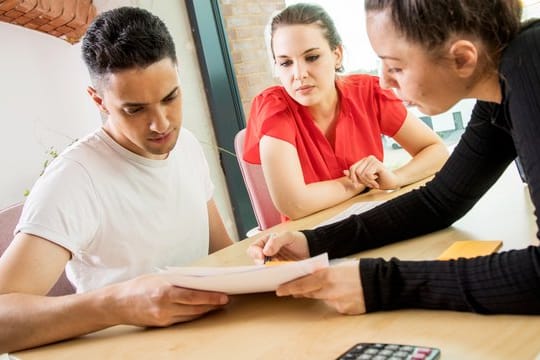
x: 285, y: 246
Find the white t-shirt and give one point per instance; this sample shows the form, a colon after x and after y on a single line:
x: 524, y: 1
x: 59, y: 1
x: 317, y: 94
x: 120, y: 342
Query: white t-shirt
x: 120, y: 214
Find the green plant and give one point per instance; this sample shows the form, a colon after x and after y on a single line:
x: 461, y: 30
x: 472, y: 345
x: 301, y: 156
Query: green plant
x: 219, y: 148
x: 52, y: 154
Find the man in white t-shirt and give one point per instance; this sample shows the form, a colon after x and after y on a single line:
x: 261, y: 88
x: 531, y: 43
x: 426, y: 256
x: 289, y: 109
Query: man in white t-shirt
x: 131, y: 197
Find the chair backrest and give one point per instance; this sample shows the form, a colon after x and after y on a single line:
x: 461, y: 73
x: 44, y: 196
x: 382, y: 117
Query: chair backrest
x: 8, y: 220
x: 265, y: 212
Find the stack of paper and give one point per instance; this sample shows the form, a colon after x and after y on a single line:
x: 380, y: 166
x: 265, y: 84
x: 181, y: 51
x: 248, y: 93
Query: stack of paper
x: 242, y: 279
x: 356, y: 208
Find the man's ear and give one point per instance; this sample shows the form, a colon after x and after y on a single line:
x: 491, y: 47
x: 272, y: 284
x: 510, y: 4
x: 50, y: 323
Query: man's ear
x: 464, y: 55
x: 98, y: 100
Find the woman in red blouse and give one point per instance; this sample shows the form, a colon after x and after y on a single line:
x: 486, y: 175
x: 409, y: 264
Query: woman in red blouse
x: 318, y: 136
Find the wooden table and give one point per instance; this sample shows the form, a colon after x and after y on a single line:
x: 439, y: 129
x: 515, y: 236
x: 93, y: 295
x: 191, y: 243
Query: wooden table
x: 263, y: 326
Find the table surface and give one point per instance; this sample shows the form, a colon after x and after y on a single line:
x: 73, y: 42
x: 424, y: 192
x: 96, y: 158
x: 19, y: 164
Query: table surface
x: 263, y: 326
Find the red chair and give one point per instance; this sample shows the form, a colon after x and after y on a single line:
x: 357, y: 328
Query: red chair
x: 265, y: 212
x: 8, y: 220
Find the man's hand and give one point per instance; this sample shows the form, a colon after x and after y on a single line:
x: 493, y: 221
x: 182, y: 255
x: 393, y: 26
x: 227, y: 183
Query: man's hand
x: 151, y: 301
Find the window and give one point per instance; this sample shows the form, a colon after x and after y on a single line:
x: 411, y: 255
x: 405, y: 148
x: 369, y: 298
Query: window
x: 531, y: 9
x: 349, y: 19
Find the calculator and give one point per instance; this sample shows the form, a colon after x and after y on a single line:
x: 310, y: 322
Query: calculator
x: 377, y: 351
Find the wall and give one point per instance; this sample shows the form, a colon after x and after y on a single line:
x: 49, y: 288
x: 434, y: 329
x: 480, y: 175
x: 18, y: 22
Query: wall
x: 44, y: 102
x: 43, y: 105
x: 245, y: 22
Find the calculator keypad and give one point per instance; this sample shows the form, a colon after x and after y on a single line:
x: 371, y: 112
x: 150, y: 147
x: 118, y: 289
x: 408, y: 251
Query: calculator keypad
x: 372, y: 351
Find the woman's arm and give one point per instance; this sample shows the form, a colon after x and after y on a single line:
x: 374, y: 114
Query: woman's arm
x: 291, y: 195
x: 481, y: 156
x: 428, y: 151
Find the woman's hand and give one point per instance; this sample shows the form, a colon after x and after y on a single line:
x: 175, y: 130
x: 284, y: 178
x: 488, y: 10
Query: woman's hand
x: 284, y: 246
x: 339, y: 286
x: 372, y: 173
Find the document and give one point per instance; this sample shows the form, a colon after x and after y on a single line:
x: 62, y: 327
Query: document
x: 470, y: 248
x: 356, y: 208
x: 242, y: 279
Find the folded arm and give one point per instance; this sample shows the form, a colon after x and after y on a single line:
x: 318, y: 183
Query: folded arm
x: 291, y: 195
x: 427, y: 150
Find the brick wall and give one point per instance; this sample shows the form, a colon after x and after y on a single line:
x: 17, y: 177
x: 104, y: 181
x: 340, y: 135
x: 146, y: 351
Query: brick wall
x: 245, y: 21
x: 66, y: 19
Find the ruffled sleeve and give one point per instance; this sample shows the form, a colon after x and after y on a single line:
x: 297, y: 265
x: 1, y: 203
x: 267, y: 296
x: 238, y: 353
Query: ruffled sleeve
x: 270, y: 115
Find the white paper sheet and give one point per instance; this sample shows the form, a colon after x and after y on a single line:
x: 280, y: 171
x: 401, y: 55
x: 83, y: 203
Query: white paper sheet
x: 356, y: 208
x: 242, y: 279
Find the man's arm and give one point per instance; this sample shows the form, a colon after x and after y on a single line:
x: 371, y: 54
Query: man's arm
x: 219, y: 238
x: 31, y: 266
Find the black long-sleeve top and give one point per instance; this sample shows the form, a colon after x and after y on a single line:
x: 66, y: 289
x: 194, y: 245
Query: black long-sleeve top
x: 507, y: 282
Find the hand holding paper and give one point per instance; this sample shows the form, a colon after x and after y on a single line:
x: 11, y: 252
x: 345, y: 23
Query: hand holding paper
x: 339, y: 286
x: 290, y: 245
x: 242, y: 279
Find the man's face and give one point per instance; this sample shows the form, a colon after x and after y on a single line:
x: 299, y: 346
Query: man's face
x: 143, y: 107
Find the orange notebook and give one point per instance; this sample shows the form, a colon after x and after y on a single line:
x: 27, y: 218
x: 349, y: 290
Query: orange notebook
x: 470, y: 248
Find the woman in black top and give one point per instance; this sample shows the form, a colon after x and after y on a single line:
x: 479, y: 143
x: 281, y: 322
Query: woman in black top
x: 477, y: 49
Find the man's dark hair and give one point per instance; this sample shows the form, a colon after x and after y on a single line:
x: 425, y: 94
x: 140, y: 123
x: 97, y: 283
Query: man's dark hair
x: 125, y: 38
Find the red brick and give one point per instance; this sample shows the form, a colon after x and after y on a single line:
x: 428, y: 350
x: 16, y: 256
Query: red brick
x: 46, y: 27
x: 44, y: 6
x: 245, y: 21
x: 81, y: 13
x: 8, y: 5
x: 64, y: 29
x: 26, y: 5
x: 55, y: 9
x: 79, y: 31
x: 67, y: 15
x: 39, y: 21
x: 21, y: 20
x: 13, y: 13
x: 31, y: 25
x: 54, y: 33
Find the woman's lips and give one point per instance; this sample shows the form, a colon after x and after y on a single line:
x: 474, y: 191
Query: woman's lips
x: 304, y: 89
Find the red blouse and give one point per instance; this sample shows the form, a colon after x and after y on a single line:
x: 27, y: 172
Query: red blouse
x: 366, y: 112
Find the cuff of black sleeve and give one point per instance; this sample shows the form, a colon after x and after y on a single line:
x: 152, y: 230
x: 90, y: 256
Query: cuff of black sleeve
x: 369, y: 270
x: 316, y: 244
